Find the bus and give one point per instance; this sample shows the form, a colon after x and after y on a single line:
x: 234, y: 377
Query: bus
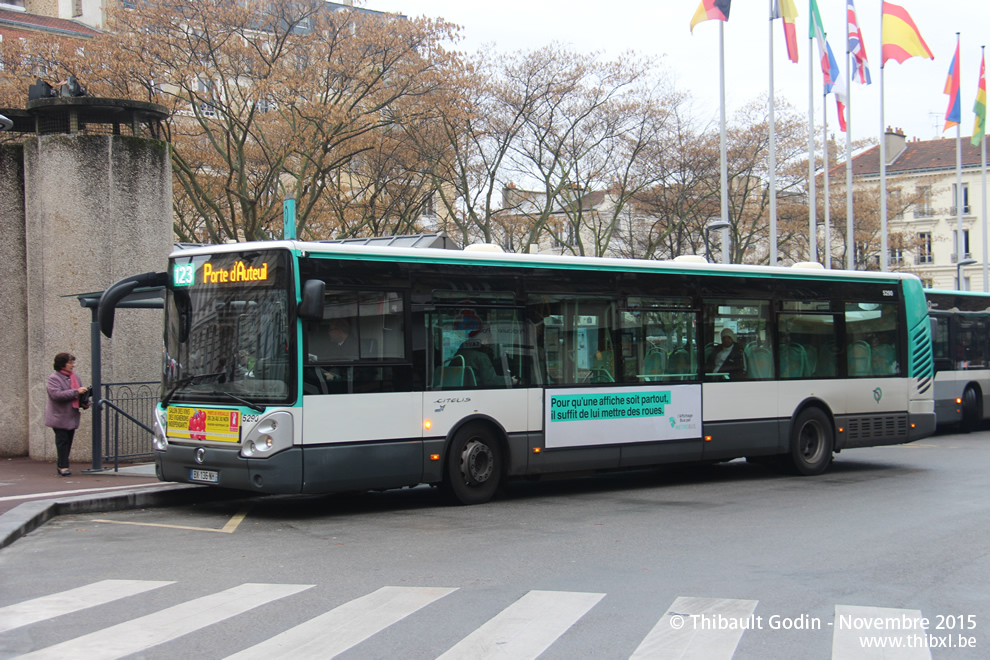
x: 961, y: 352
x: 467, y: 368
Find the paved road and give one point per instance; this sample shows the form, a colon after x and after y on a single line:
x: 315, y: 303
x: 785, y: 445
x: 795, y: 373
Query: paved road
x: 749, y: 564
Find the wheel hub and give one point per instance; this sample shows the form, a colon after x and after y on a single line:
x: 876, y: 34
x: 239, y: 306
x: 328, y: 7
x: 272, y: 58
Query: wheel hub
x: 477, y: 462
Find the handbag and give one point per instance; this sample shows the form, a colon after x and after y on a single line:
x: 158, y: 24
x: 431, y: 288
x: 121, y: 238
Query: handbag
x: 85, y: 398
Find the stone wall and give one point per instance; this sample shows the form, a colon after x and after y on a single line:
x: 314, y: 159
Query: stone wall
x: 96, y: 208
x: 13, y: 303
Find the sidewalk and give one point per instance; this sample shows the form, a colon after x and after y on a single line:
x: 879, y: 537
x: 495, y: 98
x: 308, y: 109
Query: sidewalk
x: 32, y: 492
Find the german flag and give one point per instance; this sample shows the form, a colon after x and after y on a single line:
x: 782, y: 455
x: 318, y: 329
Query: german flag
x: 708, y: 10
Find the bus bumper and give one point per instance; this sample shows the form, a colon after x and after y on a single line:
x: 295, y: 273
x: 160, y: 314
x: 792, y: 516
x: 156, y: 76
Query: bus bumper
x: 921, y: 425
x: 281, y: 473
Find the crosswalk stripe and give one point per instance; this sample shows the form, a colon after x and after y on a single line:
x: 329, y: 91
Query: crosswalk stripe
x: 687, y: 630
x: 148, y: 631
x: 346, y: 626
x: 73, y: 600
x: 853, y: 640
x: 526, y: 628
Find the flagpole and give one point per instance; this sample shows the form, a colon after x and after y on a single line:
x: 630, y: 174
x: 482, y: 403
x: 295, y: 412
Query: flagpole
x: 812, y: 204
x: 960, y: 246
x: 825, y: 182
x: 983, y: 168
x: 726, y: 257
x: 983, y: 162
x: 773, y: 156
x: 850, y: 236
x: 883, y: 169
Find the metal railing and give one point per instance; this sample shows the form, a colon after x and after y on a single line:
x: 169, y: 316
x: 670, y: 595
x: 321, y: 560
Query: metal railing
x: 128, y: 411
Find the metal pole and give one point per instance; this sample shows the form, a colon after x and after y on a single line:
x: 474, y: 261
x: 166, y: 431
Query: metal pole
x: 825, y: 183
x: 723, y: 152
x: 812, y: 204
x: 850, y: 235
x: 773, y: 156
x: 883, y: 182
x: 97, y: 401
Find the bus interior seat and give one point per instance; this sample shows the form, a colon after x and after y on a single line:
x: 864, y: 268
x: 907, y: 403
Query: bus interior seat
x: 810, y: 360
x: 454, y: 373
x: 884, y: 360
x: 654, y: 365
x: 860, y: 362
x: 792, y: 361
x: 759, y: 362
x: 679, y: 365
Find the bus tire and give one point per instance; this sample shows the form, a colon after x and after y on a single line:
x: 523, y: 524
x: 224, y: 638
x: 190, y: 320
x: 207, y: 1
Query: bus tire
x: 812, y: 440
x: 474, y: 465
x: 971, y: 413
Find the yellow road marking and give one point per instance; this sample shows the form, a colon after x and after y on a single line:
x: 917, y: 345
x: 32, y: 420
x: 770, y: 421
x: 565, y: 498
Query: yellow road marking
x: 227, y: 529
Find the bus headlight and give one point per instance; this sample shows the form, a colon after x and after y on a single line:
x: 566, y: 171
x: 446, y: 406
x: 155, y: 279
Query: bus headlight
x: 269, y: 436
x: 160, y: 441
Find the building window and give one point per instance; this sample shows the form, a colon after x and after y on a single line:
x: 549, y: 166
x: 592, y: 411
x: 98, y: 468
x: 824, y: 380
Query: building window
x: 923, y: 208
x: 205, y: 88
x: 965, y: 199
x: 897, y: 255
x: 965, y: 246
x: 77, y: 8
x: 925, y: 248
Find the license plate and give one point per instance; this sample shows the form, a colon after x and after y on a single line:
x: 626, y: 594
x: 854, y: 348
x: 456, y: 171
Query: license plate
x: 209, y: 476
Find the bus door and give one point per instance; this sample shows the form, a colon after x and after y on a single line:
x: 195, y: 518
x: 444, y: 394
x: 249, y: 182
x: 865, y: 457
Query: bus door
x: 740, y: 392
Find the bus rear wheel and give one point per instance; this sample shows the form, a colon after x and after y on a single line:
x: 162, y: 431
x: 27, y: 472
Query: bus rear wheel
x: 474, y: 465
x: 971, y: 413
x: 811, y: 442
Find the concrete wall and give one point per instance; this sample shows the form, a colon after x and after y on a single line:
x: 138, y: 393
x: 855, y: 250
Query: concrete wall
x: 97, y: 208
x: 13, y: 303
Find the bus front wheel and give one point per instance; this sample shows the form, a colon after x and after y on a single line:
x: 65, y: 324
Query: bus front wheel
x: 811, y: 442
x: 474, y: 465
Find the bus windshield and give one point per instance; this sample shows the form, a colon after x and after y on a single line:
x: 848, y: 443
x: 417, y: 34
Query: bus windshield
x: 227, y: 336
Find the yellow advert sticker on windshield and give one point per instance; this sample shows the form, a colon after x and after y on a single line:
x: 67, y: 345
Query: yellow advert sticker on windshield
x: 204, y: 424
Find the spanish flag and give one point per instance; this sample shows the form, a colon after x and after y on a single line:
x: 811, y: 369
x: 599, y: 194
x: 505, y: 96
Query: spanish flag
x: 900, y: 37
x: 708, y: 10
x: 786, y: 10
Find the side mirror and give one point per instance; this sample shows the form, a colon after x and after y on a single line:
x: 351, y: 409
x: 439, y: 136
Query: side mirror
x: 311, y: 306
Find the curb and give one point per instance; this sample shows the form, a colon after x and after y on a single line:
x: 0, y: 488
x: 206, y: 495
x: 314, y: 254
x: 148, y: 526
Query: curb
x: 25, y: 518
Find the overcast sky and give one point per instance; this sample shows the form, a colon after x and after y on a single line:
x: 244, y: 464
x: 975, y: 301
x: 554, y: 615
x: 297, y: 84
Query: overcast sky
x: 913, y: 91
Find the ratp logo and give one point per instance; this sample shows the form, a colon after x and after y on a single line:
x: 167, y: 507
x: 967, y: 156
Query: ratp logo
x: 877, y: 394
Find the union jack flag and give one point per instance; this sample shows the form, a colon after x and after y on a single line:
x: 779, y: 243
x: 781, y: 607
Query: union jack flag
x: 860, y: 67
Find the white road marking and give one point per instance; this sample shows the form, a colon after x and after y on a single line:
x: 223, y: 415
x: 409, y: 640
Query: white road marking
x: 346, y: 626
x: 58, y: 493
x: 73, y: 600
x: 892, y: 634
x: 526, y: 628
x: 680, y: 635
x: 147, y: 631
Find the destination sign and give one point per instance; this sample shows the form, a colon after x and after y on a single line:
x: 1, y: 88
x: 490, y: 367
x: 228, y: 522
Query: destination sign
x: 238, y: 273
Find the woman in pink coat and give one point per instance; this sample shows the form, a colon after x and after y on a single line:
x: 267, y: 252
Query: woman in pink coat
x: 62, y: 409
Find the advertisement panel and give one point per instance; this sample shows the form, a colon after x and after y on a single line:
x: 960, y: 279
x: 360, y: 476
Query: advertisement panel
x: 608, y: 416
x: 204, y: 424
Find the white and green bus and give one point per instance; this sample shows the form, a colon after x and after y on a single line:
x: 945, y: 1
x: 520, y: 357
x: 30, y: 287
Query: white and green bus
x: 961, y: 352
x: 299, y: 367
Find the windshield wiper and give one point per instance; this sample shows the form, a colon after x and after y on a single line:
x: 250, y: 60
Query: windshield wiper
x: 253, y: 406
x: 185, y: 381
